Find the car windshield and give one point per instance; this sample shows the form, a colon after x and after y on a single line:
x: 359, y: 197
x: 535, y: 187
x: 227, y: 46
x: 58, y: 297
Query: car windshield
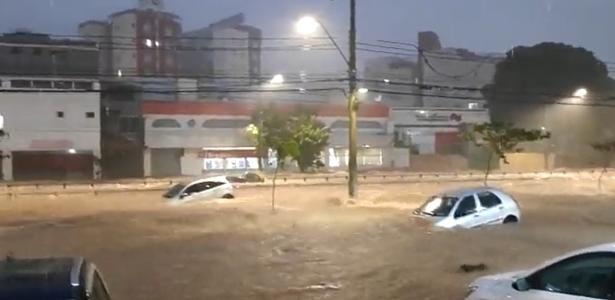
x: 174, y: 191
x: 438, y: 206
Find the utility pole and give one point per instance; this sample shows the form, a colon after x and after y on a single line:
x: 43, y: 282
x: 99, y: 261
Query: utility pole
x: 352, y: 104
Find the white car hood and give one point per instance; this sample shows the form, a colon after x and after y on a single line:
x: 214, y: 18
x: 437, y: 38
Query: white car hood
x: 499, y: 284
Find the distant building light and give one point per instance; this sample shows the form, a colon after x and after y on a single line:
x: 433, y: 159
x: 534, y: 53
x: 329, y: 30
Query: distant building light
x: 378, y: 98
x: 302, y: 90
x: 422, y: 112
x: 387, y: 81
x: 363, y: 90
x: 157, y: 43
x: 148, y: 43
x: 472, y: 105
x: 119, y: 73
x: 1, y: 122
x: 72, y: 151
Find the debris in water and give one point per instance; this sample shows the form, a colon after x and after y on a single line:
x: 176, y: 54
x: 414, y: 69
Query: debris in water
x: 467, y: 268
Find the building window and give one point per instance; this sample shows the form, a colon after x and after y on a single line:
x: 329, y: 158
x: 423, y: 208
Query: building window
x: 90, y: 115
x: 166, y: 123
x: 226, y: 123
x: 83, y: 85
x: 16, y: 50
x: 60, y: 114
x: 37, y: 51
x: 42, y: 84
x: 63, y: 85
x: 21, y: 83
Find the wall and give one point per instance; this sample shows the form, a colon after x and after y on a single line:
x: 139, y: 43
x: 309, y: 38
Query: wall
x: 31, y: 121
x: 235, y: 63
x: 123, y: 26
x: 527, y: 162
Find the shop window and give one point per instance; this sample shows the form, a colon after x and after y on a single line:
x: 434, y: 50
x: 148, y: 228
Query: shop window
x: 166, y: 123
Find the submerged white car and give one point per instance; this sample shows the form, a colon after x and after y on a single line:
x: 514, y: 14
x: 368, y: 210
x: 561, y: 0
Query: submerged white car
x: 202, y: 189
x: 470, y: 207
x: 580, y: 275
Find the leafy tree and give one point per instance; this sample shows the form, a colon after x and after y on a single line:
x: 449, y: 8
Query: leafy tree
x: 311, y: 137
x: 544, y: 72
x: 500, y: 139
x: 271, y: 128
x: 607, y: 148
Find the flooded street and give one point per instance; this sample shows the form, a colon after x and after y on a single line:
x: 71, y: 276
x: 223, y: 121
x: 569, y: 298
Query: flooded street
x: 311, y: 248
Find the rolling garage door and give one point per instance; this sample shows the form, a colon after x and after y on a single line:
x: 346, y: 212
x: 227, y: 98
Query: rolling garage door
x: 52, y: 166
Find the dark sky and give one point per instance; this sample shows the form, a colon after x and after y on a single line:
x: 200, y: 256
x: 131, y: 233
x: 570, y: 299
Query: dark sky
x: 479, y: 25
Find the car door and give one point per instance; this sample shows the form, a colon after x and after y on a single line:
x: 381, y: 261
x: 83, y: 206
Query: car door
x: 466, y: 213
x: 492, y: 209
x: 582, y: 277
x: 195, y: 191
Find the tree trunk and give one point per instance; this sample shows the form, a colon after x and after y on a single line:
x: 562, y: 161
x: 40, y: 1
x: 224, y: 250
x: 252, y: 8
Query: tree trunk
x: 604, y: 170
x: 260, y: 160
x: 275, y: 176
x: 488, y: 167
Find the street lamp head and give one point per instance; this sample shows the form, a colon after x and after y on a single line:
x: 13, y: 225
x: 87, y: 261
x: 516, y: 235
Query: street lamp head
x: 580, y: 93
x: 307, y: 25
x: 277, y: 79
x: 363, y: 90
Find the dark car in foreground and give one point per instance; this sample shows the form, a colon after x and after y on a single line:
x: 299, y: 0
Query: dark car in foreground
x: 51, y: 279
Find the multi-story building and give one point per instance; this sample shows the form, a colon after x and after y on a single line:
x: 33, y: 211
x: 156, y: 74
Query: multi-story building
x: 140, y: 41
x: 33, y: 54
x: 52, y: 126
x: 225, y: 52
x: 50, y: 104
x: 379, y: 74
x: 453, y: 72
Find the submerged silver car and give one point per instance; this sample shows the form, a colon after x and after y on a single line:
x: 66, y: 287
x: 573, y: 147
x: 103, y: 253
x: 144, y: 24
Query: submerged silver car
x: 202, y: 189
x: 469, y: 207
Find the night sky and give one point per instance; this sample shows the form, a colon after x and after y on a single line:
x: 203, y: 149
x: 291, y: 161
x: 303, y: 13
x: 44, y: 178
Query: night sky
x: 479, y: 25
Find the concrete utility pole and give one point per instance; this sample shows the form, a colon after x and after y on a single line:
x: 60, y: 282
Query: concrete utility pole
x: 352, y: 104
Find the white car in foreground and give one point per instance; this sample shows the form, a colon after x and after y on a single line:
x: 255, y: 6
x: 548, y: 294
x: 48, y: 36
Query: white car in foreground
x: 202, y: 189
x: 580, y: 275
x: 470, y: 207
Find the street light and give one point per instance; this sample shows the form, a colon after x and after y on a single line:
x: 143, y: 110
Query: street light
x: 363, y: 90
x: 580, y: 93
x: 277, y: 79
x: 308, y: 25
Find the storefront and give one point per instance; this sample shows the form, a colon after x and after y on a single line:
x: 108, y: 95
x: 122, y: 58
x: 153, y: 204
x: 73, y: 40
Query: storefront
x: 229, y: 159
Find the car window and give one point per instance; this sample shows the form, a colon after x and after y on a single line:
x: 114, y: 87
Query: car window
x: 466, y: 206
x: 174, y: 191
x: 99, y: 291
x: 438, y: 206
x: 203, y: 186
x: 589, y: 275
x: 488, y: 199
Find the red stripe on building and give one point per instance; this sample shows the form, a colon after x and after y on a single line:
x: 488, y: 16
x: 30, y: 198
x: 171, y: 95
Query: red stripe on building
x: 246, y: 109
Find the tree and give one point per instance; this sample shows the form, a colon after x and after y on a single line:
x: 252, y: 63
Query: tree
x: 607, y: 148
x: 541, y: 73
x: 501, y: 138
x: 311, y: 137
x: 270, y: 128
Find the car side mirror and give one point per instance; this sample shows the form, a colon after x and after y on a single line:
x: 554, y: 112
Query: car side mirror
x: 184, y: 195
x: 521, y: 285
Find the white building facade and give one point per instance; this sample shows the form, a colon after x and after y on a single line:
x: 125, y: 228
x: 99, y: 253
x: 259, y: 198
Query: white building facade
x: 433, y: 130
x: 192, y: 138
x: 52, y: 128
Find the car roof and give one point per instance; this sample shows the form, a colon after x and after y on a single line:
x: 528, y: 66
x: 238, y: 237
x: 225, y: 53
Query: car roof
x: 460, y: 192
x: 47, y: 278
x: 610, y: 247
x: 215, y: 179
